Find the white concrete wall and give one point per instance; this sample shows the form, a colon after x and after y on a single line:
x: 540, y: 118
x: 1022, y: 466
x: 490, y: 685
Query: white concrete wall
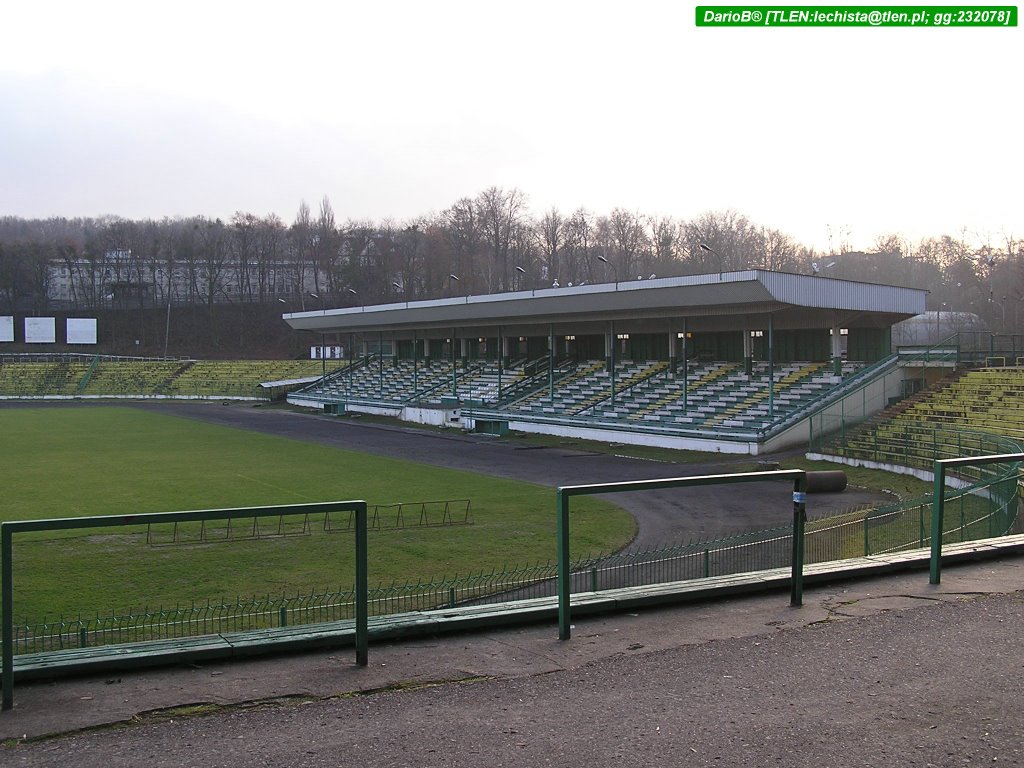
x: 635, y: 438
x: 435, y: 417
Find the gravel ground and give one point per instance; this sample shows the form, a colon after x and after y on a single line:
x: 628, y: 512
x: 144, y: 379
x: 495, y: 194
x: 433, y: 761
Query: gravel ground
x: 934, y: 685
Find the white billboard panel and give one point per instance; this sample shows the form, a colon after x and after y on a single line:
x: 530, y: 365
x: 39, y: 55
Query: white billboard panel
x: 330, y: 353
x: 40, y: 330
x: 81, y: 330
x: 6, y: 328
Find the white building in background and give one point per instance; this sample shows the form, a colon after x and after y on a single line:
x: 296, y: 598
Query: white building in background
x: 115, y: 280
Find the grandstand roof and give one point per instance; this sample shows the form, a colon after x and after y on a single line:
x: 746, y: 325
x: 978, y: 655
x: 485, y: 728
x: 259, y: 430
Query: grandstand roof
x: 724, y: 299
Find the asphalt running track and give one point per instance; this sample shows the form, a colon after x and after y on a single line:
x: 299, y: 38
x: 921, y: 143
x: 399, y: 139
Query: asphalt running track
x: 663, y: 517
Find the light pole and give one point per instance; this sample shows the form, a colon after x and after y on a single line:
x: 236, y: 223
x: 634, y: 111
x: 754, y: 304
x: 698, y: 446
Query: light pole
x: 721, y: 262
x: 615, y: 270
x: 521, y: 273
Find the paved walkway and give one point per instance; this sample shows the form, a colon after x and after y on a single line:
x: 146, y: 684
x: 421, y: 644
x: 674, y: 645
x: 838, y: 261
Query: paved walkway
x: 883, y: 671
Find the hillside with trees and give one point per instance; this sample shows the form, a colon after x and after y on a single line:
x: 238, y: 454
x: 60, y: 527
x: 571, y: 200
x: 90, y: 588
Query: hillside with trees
x: 247, y: 270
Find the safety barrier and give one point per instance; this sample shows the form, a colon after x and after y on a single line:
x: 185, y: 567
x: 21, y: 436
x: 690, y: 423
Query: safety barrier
x: 10, y: 528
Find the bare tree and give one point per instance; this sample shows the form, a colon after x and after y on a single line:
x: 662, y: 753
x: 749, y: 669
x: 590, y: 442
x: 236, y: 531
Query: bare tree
x: 499, y: 213
x: 327, y: 252
x: 301, y: 236
x: 213, y: 245
x: 408, y: 268
x: 465, y: 238
x: 271, y: 272
x: 244, y: 234
x: 622, y: 242
x: 779, y: 252
x: 551, y: 236
x: 576, y: 251
x: 666, y: 243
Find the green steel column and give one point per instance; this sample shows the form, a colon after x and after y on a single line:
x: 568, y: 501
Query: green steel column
x: 351, y: 361
x: 748, y: 352
x: 455, y: 375
x: 799, y: 522
x: 7, y: 609
x: 686, y: 365
x: 415, y: 367
x: 323, y: 364
x: 501, y: 368
x: 938, y: 501
x: 771, y: 369
x: 551, y: 362
x: 564, y: 578
x: 362, y: 587
x: 837, y: 350
x: 380, y: 361
x: 673, y: 345
x: 611, y: 335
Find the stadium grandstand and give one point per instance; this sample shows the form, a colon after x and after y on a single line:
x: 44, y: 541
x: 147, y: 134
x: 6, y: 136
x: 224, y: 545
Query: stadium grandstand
x: 735, y: 362
x: 74, y: 376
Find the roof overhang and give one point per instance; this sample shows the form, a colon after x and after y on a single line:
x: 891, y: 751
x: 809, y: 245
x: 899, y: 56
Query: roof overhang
x: 794, y: 300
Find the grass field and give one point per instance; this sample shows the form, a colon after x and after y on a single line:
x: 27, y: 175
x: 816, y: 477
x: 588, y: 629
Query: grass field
x: 67, y: 462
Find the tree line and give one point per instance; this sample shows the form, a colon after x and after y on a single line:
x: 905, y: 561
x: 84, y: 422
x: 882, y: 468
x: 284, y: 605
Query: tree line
x: 484, y: 244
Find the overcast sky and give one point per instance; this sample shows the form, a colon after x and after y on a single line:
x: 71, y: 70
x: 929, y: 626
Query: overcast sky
x: 397, y: 109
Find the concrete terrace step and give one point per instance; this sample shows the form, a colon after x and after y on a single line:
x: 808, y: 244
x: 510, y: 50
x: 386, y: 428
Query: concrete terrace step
x: 89, y: 660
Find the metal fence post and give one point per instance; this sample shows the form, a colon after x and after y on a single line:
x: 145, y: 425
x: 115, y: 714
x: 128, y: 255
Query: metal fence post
x: 6, y: 608
x: 362, y: 587
x: 564, y: 578
x: 799, y: 523
x: 938, y: 501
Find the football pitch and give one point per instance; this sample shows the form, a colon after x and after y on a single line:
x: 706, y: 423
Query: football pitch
x: 72, y: 462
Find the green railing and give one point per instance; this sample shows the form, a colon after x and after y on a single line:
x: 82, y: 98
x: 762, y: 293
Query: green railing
x: 8, y: 530
x: 939, y: 498
x: 980, y: 510
x: 985, y: 505
x: 565, y: 493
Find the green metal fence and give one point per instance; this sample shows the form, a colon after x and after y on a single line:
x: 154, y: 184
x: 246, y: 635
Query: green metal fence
x: 9, y: 529
x: 565, y: 493
x: 982, y: 509
x: 941, y: 469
